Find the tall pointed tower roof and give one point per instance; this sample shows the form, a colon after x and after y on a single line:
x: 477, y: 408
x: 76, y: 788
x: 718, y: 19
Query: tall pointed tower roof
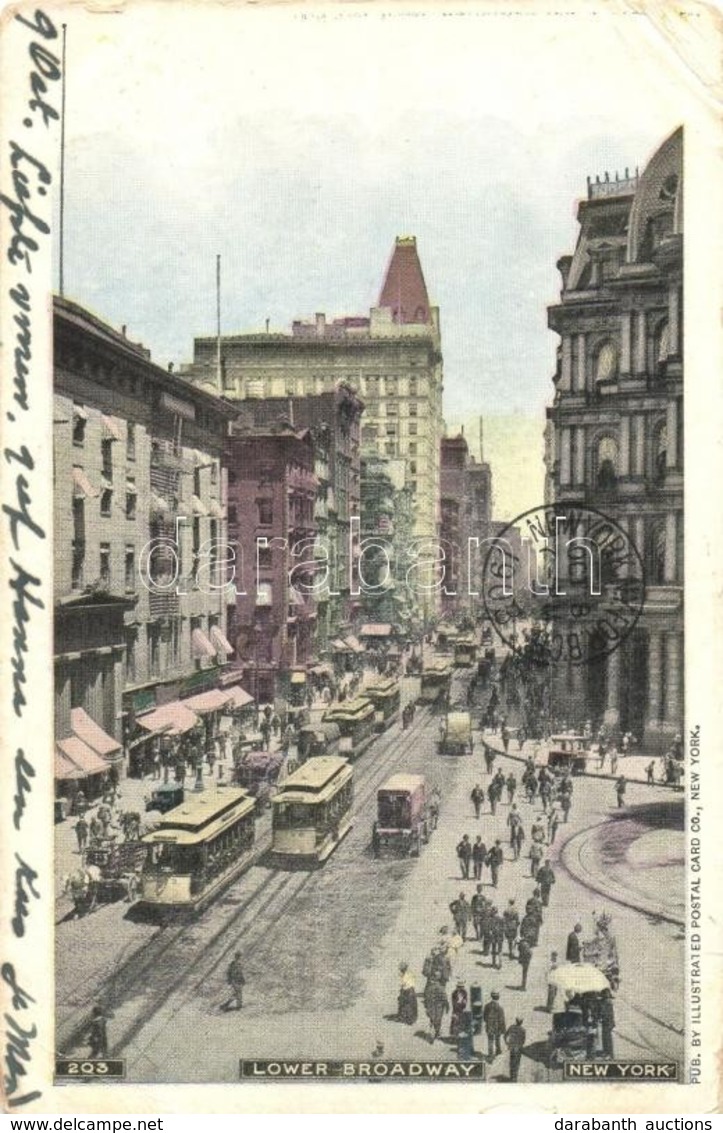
x: 404, y: 289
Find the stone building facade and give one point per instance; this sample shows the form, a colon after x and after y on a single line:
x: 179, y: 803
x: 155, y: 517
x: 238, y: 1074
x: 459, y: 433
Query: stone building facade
x: 465, y: 507
x: 134, y: 449
x: 615, y: 430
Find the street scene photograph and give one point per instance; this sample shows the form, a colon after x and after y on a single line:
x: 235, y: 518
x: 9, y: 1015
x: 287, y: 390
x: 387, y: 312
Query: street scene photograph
x: 368, y: 545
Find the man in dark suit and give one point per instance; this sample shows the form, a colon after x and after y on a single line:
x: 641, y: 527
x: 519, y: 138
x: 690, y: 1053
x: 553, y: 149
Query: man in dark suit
x: 573, y: 952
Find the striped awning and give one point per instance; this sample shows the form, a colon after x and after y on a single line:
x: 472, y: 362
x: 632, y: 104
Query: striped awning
x: 212, y: 701
x: 110, y: 428
x: 82, y: 486
x: 197, y: 506
x: 93, y: 735
x: 65, y: 768
x: 218, y: 639
x: 82, y: 757
x: 174, y: 718
x: 200, y: 645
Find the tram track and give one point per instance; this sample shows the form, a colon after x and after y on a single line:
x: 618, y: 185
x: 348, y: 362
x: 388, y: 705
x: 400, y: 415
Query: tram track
x: 172, y: 955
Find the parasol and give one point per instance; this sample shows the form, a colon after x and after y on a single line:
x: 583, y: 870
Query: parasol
x: 578, y: 978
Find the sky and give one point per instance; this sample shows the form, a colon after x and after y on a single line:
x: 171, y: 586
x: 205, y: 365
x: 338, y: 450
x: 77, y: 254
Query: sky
x: 298, y: 141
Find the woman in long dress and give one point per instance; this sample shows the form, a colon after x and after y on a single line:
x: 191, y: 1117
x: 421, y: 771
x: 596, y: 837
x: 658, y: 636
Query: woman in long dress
x: 407, y: 999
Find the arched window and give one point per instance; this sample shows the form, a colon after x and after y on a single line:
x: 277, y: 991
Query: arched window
x: 606, y: 363
x: 607, y: 463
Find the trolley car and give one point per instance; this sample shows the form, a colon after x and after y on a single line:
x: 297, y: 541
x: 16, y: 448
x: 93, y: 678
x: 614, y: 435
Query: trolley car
x: 355, y: 721
x: 197, y: 849
x: 465, y: 652
x: 311, y: 814
x: 385, y: 696
x: 317, y: 739
x: 446, y: 638
x: 436, y: 683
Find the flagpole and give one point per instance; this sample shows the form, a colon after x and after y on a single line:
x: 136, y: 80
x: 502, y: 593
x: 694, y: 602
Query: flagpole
x: 61, y: 225
x: 218, y: 324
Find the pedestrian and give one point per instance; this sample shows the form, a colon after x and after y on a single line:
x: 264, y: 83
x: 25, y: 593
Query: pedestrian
x: 505, y: 736
x: 529, y: 930
x: 265, y: 729
x: 235, y: 977
x: 613, y: 760
x: 479, y: 856
x: 553, y: 821
x: 81, y: 803
x: 98, y: 1033
x: 515, y: 1038
x: 493, y: 1017
x: 517, y: 838
x: 511, y: 922
x: 573, y: 951
x: 493, y: 795
x: 437, y: 965
x: 551, y: 985
x: 495, y: 857
x: 478, y: 798
x: 489, y: 759
x: 565, y: 803
x: 497, y: 937
x: 436, y: 1004
x: 81, y: 833
x: 96, y: 830
x: 464, y: 854
x: 524, y: 955
x: 545, y: 879
x: 459, y: 1006
x: 511, y: 784
x: 536, y: 855
x: 477, y: 905
x: 620, y: 788
x: 407, y: 998
x: 104, y: 817
x: 650, y: 772
x: 607, y: 1023
x: 513, y: 819
x: 461, y: 912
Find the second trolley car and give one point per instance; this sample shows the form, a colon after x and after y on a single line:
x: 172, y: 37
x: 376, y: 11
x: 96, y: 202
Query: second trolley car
x: 197, y: 849
x: 312, y: 813
x: 436, y: 683
x: 355, y: 721
x: 465, y: 652
x: 385, y: 695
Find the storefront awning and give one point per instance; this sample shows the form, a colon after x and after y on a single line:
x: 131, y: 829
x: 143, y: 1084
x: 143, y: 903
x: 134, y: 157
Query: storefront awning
x: 201, y: 646
x: 173, y: 718
x: 354, y: 644
x: 158, y: 503
x: 339, y: 646
x: 83, y: 757
x: 64, y: 768
x: 197, y: 506
x: 240, y: 698
x: 375, y: 629
x: 217, y: 638
x: 212, y: 701
x: 82, y: 487
x: 93, y: 735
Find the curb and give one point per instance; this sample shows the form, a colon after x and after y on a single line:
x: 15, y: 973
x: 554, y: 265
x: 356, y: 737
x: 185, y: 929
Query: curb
x: 592, y: 881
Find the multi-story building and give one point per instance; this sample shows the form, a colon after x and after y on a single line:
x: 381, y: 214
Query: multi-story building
x: 135, y: 448
x: 271, y: 501
x: 392, y: 357
x: 615, y: 431
x: 387, y: 593
x: 334, y: 421
x: 465, y: 501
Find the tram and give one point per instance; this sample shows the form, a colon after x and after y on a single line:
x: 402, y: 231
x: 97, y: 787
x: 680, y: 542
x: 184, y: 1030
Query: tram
x: 436, y: 683
x: 355, y: 721
x: 465, y: 652
x: 385, y: 695
x: 197, y: 849
x: 446, y: 638
x: 312, y: 812
x: 317, y: 739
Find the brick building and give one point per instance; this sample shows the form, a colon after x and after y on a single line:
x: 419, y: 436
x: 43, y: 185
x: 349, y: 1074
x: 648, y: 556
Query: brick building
x: 615, y: 430
x: 134, y: 448
x: 272, y: 493
x: 465, y: 502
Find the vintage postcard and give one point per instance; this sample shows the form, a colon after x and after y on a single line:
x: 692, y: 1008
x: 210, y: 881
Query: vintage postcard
x: 361, y: 409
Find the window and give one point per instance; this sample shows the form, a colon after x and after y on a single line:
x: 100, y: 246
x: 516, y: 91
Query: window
x: 154, y: 637
x: 606, y: 363
x: 656, y: 553
x: 106, y: 501
x: 413, y: 467
x: 231, y: 476
x: 413, y: 487
x: 266, y: 512
x: 195, y: 537
x: 232, y: 515
x: 413, y: 409
x: 607, y: 463
x: 390, y: 448
x: 369, y: 433
x: 76, y: 581
x: 130, y: 569
x: 392, y: 429
x: 131, y: 638
x: 131, y: 498
x: 197, y: 482
x: 131, y: 440
x: 105, y: 564
x: 264, y: 594
x: 412, y: 428
x: 392, y: 409
x: 265, y: 557
x: 80, y: 419
x: 661, y: 453
x: 214, y: 473
x: 106, y: 448
x: 413, y: 448
x: 661, y: 347
x: 372, y: 408
x: 79, y: 520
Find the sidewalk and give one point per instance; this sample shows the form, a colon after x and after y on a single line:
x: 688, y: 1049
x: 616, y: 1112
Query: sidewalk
x: 632, y: 766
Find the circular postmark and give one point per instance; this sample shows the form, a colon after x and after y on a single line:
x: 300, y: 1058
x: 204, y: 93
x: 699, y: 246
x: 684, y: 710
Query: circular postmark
x: 572, y: 568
